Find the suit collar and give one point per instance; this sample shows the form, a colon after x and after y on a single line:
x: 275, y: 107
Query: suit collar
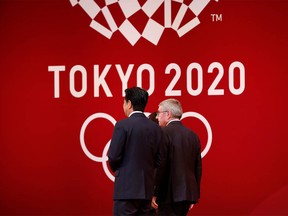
x: 173, y: 121
x: 136, y: 113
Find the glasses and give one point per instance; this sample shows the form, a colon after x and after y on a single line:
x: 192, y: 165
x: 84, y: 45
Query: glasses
x: 158, y: 112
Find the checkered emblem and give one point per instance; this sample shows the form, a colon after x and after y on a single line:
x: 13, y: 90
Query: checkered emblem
x: 148, y: 19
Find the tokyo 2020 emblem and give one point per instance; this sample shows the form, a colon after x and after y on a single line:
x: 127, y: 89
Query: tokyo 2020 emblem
x: 153, y: 28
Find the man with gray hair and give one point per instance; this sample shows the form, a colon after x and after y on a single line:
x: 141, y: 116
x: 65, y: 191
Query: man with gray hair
x: 177, y: 183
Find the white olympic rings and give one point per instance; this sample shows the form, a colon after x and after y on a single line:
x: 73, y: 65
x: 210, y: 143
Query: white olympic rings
x: 104, y: 157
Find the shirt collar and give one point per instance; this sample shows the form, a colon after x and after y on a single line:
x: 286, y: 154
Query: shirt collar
x: 172, y: 120
x: 134, y: 112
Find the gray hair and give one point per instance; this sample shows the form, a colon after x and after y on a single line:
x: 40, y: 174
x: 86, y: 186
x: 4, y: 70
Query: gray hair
x: 174, y: 106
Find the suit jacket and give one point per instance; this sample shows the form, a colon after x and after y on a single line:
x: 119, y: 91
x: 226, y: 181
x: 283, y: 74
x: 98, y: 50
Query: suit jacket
x: 132, y: 154
x: 179, y: 175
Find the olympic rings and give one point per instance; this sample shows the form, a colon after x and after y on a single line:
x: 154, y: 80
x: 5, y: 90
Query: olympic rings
x: 104, y: 157
x: 82, y: 132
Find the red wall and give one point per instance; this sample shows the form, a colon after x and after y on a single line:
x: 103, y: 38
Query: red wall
x: 53, y: 132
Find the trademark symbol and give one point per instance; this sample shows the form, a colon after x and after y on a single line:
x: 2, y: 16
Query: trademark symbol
x: 216, y: 17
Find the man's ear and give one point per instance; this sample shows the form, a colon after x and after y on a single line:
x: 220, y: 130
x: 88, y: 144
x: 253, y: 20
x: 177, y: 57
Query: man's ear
x: 169, y: 114
x: 130, y: 106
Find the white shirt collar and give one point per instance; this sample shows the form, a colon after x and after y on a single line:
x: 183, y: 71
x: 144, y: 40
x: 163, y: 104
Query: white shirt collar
x: 134, y: 112
x: 172, y: 120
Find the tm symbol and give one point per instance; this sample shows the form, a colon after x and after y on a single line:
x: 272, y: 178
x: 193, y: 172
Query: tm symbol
x: 216, y: 17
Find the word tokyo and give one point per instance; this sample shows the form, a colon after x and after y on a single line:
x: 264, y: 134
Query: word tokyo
x: 194, y: 72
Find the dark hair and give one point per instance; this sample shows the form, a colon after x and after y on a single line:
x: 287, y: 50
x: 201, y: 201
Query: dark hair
x: 153, y: 117
x: 138, y: 98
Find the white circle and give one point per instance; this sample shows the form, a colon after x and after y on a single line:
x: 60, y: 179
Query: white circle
x: 82, y: 132
x: 208, y: 128
x: 104, y: 164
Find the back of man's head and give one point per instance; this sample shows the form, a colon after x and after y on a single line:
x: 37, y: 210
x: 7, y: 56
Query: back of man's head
x: 174, y: 106
x: 138, y: 98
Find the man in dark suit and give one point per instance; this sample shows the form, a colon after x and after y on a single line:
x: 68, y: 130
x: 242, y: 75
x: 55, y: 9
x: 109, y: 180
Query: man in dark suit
x: 177, y: 184
x: 133, y: 154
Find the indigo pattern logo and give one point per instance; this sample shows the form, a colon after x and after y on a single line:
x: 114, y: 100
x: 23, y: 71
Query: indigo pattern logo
x: 105, y: 22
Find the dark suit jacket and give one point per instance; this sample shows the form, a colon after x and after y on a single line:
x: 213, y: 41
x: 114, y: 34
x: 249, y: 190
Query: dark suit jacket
x: 133, y: 155
x: 179, y: 175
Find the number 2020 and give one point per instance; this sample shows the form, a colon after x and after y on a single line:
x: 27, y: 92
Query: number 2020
x: 212, y: 90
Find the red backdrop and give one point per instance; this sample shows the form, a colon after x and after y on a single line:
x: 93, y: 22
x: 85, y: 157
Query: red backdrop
x: 53, y: 132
